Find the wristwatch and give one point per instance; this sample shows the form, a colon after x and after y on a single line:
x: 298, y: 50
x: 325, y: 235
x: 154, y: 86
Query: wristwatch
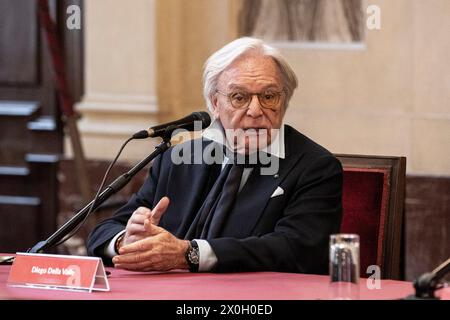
x: 117, y: 243
x: 192, y: 256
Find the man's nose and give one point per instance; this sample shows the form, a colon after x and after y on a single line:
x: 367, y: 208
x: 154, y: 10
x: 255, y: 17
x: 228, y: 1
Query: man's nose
x: 254, y: 108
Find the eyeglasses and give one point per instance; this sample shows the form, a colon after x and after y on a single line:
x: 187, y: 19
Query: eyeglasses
x: 268, y: 99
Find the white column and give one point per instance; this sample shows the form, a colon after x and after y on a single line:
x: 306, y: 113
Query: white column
x: 120, y: 91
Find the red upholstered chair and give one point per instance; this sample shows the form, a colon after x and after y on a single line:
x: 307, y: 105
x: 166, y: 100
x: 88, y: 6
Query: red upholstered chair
x: 373, y: 200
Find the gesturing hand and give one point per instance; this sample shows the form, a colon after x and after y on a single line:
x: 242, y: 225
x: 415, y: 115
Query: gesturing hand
x: 135, y: 230
x: 159, y: 251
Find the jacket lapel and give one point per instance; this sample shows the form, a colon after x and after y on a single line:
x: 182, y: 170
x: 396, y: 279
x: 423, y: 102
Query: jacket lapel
x: 194, y: 182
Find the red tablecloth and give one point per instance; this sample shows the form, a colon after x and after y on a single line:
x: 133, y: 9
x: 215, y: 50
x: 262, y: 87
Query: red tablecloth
x: 209, y: 286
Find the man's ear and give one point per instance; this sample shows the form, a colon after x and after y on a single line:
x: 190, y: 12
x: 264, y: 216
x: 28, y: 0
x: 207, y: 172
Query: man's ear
x: 215, y: 106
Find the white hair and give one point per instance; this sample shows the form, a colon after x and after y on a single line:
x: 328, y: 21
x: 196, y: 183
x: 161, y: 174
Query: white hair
x: 224, y: 57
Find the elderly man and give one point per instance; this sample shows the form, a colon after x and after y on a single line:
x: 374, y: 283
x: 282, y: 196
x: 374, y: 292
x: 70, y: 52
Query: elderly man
x: 230, y: 216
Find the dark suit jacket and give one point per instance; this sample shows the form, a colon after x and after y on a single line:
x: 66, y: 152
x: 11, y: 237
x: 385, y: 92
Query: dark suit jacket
x: 286, y: 233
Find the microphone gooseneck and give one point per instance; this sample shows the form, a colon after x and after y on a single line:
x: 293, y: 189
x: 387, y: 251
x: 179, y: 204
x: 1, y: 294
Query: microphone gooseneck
x: 67, y: 230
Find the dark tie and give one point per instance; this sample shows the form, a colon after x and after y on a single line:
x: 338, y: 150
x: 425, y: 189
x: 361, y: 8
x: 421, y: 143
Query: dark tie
x: 212, y: 215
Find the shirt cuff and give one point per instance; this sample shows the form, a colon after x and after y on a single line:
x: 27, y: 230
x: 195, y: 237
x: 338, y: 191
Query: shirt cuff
x: 110, y: 248
x: 208, y: 258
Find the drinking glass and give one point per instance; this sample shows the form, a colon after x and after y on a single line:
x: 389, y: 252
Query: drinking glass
x: 344, y: 266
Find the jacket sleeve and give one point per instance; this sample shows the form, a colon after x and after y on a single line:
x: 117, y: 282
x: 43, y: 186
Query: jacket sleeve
x: 107, y: 229
x: 300, y: 239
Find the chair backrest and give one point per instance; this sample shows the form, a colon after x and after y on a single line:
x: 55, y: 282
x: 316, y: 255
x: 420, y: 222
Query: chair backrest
x: 373, y: 201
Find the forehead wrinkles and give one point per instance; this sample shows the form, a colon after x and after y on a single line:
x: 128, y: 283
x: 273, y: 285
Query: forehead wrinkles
x: 251, y: 70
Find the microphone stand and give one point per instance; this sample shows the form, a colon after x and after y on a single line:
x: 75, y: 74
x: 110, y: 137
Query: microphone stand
x: 429, y: 282
x: 111, y: 189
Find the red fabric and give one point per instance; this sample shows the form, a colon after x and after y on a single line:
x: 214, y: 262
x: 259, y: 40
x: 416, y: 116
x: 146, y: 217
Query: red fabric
x: 208, y: 286
x: 365, y: 195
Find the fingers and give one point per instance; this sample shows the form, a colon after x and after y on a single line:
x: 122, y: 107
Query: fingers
x: 142, y: 211
x: 151, y: 229
x: 135, y: 232
x: 148, y: 226
x: 132, y: 258
x: 137, y: 252
x: 159, y: 210
x: 141, y: 223
x: 136, y: 229
x: 160, y: 252
x: 135, y: 224
x: 150, y: 264
x: 144, y: 244
x: 139, y: 215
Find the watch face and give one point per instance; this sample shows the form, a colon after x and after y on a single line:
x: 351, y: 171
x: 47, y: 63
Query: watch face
x: 193, y: 256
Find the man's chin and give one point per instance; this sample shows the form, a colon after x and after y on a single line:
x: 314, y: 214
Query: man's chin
x: 251, y: 141
x: 250, y: 148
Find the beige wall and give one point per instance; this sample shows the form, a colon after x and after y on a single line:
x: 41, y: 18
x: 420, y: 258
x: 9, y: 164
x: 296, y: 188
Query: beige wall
x: 120, y: 77
x: 390, y: 96
x: 430, y: 127
x: 188, y: 32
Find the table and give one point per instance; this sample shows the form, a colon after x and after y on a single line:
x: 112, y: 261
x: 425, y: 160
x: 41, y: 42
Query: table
x: 208, y: 286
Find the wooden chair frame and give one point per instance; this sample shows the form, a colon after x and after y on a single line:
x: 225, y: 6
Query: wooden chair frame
x: 392, y: 228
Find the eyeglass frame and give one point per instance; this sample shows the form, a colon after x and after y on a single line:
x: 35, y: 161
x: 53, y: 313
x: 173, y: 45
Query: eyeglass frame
x: 249, y: 101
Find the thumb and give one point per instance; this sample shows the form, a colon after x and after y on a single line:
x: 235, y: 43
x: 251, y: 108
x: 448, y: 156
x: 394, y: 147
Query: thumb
x: 151, y: 229
x: 159, y: 210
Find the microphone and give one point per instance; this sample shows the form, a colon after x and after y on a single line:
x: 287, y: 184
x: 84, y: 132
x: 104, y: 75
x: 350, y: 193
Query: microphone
x: 186, y: 123
x: 426, y: 284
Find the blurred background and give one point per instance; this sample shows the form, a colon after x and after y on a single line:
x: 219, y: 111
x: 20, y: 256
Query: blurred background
x: 374, y: 79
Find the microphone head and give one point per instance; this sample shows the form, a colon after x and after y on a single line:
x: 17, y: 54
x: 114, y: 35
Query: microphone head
x: 203, y: 117
x: 186, y: 123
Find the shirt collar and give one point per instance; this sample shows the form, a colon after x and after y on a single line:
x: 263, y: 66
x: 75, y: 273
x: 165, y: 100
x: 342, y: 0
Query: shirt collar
x: 215, y: 133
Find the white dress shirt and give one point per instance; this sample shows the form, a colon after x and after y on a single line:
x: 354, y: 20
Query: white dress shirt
x: 214, y: 132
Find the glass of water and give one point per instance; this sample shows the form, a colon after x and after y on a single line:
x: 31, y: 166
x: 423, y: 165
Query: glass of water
x: 344, y: 266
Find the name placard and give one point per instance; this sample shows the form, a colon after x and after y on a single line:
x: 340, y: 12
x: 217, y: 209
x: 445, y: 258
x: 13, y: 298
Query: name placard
x: 60, y: 272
